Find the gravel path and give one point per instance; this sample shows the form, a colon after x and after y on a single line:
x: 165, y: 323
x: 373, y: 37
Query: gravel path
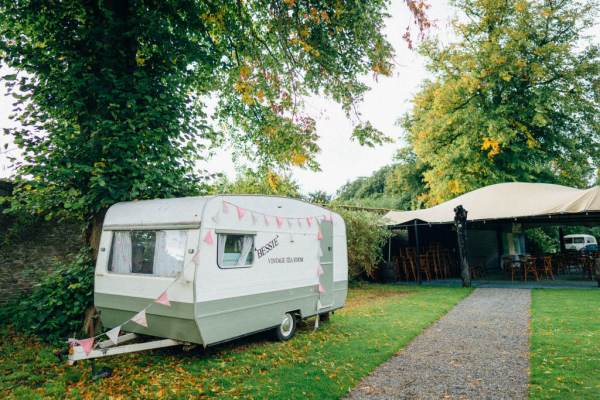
x: 479, y: 350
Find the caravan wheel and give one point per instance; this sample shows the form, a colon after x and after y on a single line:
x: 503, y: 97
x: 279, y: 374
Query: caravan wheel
x: 287, y: 328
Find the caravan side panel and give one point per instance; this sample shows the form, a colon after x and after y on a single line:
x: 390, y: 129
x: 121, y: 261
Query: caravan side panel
x: 340, y: 262
x: 231, y: 302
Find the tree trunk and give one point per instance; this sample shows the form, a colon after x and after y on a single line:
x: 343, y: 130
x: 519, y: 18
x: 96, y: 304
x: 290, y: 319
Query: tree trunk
x: 93, y: 232
x: 460, y: 222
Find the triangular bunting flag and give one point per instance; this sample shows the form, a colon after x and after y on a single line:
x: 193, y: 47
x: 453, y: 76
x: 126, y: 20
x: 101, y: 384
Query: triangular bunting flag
x: 321, y: 288
x: 240, y: 212
x: 266, y: 221
x: 163, y: 299
x: 215, y: 218
x: 225, y: 207
x: 289, y: 222
x: 208, y: 238
x: 299, y: 223
x: 320, y: 270
x: 309, y: 221
x: 196, y: 258
x: 253, y: 219
x: 113, y: 334
x: 86, y: 344
x: 319, y: 252
x: 319, y: 235
x: 319, y: 305
x: 279, y: 221
x: 140, y: 319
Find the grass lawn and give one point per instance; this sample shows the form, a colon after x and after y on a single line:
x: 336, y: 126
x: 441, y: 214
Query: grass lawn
x: 377, y: 321
x: 565, y: 344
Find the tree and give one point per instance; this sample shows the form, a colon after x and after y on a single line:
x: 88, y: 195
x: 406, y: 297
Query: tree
x: 515, y: 98
x: 398, y: 186
x: 405, y: 181
x: 319, y: 197
x: 253, y: 182
x: 112, y: 95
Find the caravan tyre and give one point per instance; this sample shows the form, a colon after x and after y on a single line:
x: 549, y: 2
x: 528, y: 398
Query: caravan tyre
x: 287, y: 328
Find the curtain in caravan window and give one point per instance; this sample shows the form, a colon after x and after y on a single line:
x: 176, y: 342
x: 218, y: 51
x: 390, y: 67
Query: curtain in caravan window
x: 121, y: 253
x: 169, y: 252
x: 222, y: 239
x: 246, y: 250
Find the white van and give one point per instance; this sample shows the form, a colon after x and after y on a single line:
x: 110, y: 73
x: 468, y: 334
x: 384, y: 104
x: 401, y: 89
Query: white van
x: 578, y: 241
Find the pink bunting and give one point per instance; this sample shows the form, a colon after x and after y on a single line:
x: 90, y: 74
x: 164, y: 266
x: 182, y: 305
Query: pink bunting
x: 225, y: 207
x: 266, y: 221
x: 279, y: 221
x: 321, y: 289
x: 163, y: 299
x: 140, y: 319
x: 196, y: 258
x: 320, y: 270
x: 208, y: 238
x: 240, y: 212
x: 86, y: 344
x: 309, y: 221
x: 319, y: 235
x: 113, y: 334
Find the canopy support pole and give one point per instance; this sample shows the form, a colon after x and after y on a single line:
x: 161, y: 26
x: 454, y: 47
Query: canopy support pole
x: 561, y: 239
x: 418, y: 252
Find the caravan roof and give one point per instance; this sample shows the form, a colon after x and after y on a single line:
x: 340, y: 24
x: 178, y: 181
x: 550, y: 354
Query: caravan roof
x: 185, y: 211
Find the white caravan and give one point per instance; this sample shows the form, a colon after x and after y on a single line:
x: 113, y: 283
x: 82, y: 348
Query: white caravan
x: 231, y: 266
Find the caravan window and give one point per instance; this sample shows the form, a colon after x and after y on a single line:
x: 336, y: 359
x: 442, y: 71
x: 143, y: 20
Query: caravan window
x: 234, y: 250
x: 159, y: 253
x: 578, y: 240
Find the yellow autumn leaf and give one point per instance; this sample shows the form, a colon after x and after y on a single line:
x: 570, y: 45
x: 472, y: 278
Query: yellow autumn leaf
x: 492, y: 146
x: 299, y: 159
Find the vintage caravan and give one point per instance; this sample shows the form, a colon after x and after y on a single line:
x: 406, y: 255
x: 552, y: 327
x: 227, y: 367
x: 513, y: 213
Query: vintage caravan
x: 229, y: 265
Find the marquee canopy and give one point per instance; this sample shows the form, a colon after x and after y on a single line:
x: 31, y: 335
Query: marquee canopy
x: 514, y: 201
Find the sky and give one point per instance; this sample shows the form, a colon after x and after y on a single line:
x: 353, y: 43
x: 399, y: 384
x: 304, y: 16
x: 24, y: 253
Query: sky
x: 341, y: 159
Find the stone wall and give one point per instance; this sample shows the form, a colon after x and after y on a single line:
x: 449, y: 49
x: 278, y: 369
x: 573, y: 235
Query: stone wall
x: 29, y: 248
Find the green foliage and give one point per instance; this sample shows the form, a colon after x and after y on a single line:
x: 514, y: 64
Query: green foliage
x: 319, y: 197
x: 565, y: 344
x: 542, y: 240
x: 366, y: 237
x: 54, y: 310
x: 514, y: 98
x: 396, y: 186
x: 356, y: 340
x: 112, y: 97
x: 258, y: 182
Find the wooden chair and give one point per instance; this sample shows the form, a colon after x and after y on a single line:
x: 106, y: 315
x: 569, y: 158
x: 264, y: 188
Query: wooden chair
x: 511, y: 267
x: 410, y: 255
x: 529, y: 267
x: 425, y: 266
x: 546, y: 267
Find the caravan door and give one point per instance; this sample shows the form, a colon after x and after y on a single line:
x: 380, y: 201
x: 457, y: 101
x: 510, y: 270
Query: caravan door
x: 326, y: 279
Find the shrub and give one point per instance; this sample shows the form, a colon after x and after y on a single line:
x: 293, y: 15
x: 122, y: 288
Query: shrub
x: 55, y: 307
x: 366, y: 236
